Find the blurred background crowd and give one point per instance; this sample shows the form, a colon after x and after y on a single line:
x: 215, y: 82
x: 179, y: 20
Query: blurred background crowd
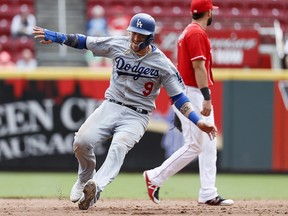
x: 244, y: 33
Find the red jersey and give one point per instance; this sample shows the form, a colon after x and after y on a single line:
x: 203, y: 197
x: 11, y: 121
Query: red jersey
x: 194, y: 44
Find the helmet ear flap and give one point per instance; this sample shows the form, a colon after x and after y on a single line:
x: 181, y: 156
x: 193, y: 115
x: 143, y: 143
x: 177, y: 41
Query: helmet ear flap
x: 150, y: 38
x: 147, y: 42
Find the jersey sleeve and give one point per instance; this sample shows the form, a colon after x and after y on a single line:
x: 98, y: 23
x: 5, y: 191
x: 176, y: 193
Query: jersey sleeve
x: 172, y: 80
x: 100, y: 46
x: 197, y: 46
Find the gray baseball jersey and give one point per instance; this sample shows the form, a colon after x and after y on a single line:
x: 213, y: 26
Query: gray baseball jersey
x: 136, y: 80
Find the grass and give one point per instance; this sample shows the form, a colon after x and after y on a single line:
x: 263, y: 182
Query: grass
x: 131, y: 185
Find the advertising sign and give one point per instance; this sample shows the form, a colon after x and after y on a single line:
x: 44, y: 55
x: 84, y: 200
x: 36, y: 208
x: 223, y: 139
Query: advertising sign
x: 38, y: 120
x: 235, y: 48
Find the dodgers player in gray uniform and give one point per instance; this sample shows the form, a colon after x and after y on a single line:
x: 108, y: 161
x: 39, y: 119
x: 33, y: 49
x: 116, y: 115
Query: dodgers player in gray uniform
x: 139, y: 71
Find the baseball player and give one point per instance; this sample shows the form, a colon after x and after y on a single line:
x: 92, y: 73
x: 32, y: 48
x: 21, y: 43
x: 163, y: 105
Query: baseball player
x: 139, y: 70
x: 194, y: 65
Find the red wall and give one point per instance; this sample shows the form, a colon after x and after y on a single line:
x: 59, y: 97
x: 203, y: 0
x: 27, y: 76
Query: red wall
x: 280, y: 133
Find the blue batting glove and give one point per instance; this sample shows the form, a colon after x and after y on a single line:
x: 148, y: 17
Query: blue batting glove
x: 55, y: 37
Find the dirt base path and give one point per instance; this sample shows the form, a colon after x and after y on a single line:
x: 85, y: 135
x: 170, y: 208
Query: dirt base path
x: 123, y: 207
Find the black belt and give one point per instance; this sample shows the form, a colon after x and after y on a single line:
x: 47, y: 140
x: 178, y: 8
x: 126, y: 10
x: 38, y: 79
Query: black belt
x: 139, y: 110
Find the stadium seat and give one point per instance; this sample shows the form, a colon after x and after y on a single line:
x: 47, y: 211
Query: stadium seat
x: 17, y: 8
x: 118, y: 2
x: 27, y: 2
x: 22, y: 43
x: 8, y: 2
x: 253, y: 4
x: 137, y: 9
x: 234, y: 4
x: 182, y: 4
x: 220, y: 3
x: 174, y: 15
x: 255, y: 12
x: 5, y: 27
x: 159, y: 3
x: 174, y: 11
x: 6, y: 42
x: 278, y: 4
x: 7, y: 11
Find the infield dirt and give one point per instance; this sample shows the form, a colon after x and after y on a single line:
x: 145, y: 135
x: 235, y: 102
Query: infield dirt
x: 56, y: 207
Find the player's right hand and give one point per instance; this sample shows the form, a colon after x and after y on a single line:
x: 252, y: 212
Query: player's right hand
x: 207, y: 108
x: 208, y: 128
x: 40, y: 33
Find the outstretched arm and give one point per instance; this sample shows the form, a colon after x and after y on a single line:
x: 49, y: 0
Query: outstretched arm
x: 48, y: 37
x: 183, y: 104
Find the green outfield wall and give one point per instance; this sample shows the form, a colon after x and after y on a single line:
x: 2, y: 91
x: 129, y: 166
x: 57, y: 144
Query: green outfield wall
x: 41, y: 110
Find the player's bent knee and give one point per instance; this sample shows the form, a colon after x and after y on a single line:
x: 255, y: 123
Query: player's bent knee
x: 81, y: 144
x: 195, y: 148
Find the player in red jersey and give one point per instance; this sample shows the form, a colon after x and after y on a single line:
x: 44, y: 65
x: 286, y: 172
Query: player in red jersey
x: 194, y: 65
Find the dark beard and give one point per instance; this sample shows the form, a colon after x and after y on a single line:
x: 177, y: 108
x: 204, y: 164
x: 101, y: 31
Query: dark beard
x: 209, y: 21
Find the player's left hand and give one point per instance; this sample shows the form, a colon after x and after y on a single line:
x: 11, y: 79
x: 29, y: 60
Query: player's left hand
x: 40, y: 34
x: 208, y: 128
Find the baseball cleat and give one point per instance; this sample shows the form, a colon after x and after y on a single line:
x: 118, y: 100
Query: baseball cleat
x: 153, y: 190
x: 218, y: 201
x: 97, y: 196
x: 88, y: 195
x: 76, y: 191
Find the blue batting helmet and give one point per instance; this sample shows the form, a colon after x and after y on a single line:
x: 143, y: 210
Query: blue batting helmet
x: 143, y: 23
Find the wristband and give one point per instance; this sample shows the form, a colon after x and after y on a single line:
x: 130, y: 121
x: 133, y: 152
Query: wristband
x: 206, y: 93
x: 81, y: 41
x: 194, y: 117
x: 76, y: 41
